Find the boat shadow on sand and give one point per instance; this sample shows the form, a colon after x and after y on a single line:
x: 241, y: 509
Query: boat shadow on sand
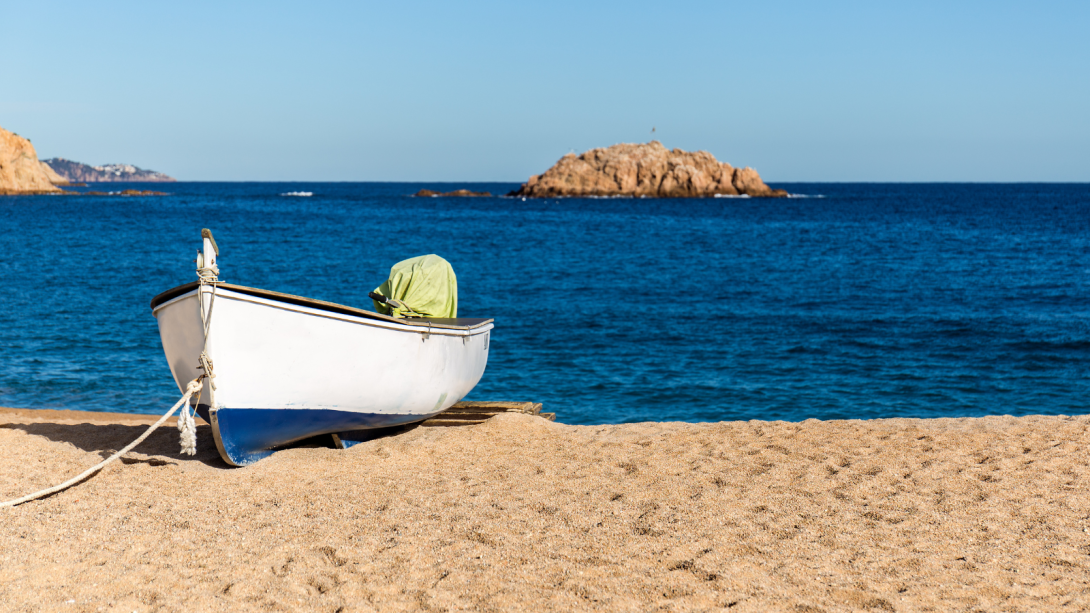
x: 161, y: 448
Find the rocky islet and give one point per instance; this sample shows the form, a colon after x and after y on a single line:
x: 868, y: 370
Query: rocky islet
x: 645, y: 170
x: 458, y: 193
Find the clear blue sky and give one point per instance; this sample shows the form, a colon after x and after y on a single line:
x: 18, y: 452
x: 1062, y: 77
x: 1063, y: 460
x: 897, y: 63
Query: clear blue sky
x: 477, y: 91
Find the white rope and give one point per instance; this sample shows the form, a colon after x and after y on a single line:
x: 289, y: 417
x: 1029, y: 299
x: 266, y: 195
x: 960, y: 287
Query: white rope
x: 186, y: 425
x: 207, y: 277
x: 188, y: 428
x: 193, y: 387
x: 208, y: 273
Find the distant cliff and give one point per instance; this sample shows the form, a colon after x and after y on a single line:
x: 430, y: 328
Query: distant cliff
x: 20, y: 170
x: 54, y: 178
x: 649, y: 170
x: 74, y: 172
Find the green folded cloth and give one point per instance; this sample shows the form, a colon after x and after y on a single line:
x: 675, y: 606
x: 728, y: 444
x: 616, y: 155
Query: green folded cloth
x: 425, y: 286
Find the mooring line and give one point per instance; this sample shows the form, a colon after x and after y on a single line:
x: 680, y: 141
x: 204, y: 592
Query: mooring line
x: 193, y: 387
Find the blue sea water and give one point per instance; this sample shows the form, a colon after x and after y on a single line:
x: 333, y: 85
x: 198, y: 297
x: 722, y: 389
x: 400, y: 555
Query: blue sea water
x: 859, y: 301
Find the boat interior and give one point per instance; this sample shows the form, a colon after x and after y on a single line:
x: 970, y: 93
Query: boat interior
x: 434, y: 322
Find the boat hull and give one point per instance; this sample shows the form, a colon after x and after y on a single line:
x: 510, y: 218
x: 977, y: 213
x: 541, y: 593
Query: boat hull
x: 285, y: 371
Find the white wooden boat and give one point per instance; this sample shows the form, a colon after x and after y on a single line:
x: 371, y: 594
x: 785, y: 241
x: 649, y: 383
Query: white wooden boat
x: 288, y: 368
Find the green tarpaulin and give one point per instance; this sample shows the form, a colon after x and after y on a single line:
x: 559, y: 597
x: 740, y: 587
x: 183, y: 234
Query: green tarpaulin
x: 425, y: 285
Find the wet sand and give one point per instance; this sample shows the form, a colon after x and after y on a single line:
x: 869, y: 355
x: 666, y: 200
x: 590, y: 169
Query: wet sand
x: 519, y: 513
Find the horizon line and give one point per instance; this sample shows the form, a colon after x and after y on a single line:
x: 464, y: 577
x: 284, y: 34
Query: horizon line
x: 864, y: 182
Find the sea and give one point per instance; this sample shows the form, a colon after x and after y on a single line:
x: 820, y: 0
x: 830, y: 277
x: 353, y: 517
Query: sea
x: 846, y: 301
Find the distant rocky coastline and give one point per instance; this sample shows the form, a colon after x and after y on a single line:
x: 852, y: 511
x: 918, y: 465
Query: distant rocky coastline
x: 21, y: 173
x: 75, y: 172
x: 645, y: 170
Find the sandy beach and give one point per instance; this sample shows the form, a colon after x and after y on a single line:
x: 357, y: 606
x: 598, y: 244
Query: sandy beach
x: 519, y: 513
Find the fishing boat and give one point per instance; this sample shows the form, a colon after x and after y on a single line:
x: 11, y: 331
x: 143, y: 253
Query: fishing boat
x: 280, y: 368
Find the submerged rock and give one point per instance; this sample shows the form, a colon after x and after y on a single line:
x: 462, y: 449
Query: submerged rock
x: 126, y: 192
x: 646, y: 170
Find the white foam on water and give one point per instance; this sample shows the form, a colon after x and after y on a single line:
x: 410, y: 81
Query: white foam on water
x: 299, y: 194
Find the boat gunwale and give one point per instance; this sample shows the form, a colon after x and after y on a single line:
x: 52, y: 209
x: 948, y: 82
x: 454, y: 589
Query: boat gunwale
x: 303, y: 310
x: 320, y: 305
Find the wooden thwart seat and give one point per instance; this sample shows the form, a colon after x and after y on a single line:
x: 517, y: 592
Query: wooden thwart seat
x: 471, y: 412
x: 465, y: 413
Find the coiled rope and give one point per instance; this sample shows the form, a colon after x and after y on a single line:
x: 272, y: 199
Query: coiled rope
x: 193, y: 387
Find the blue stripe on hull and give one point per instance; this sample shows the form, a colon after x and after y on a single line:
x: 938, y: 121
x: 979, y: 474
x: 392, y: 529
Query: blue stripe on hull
x: 245, y: 436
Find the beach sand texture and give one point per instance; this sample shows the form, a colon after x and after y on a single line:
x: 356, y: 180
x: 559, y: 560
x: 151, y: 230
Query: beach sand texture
x: 519, y: 513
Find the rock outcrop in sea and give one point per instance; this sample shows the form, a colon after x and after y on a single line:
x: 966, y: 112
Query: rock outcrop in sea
x: 20, y: 170
x: 126, y: 193
x: 75, y: 172
x: 458, y: 193
x: 648, y: 170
